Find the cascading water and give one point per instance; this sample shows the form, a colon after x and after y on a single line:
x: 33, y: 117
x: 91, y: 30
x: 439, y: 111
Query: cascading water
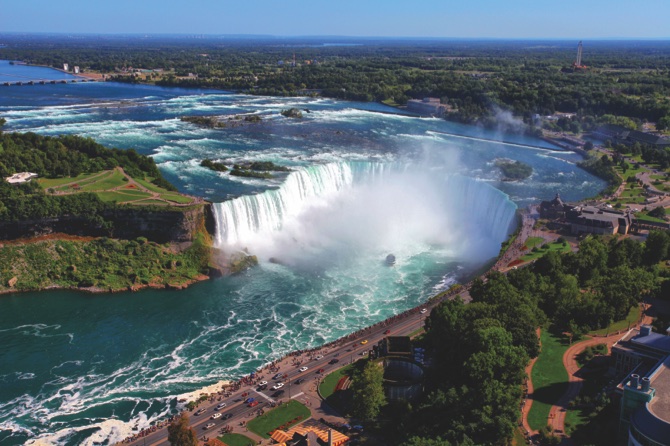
x: 457, y: 203
x: 240, y: 220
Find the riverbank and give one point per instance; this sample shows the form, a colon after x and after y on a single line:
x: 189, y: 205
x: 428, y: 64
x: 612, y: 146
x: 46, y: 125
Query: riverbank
x: 102, y: 265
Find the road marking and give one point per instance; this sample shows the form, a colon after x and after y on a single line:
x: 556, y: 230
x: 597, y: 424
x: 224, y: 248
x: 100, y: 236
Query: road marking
x: 264, y: 396
x: 297, y: 395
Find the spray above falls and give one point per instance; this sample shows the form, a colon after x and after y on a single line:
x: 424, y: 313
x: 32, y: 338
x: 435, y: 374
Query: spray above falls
x: 338, y: 210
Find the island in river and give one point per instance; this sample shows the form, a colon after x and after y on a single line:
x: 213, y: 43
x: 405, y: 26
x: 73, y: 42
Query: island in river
x: 98, y: 220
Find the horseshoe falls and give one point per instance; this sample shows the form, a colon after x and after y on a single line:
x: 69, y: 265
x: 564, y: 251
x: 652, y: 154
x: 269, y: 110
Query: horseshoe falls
x: 81, y: 369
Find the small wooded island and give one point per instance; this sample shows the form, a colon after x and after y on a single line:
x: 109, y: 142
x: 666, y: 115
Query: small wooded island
x: 255, y: 169
x: 513, y: 170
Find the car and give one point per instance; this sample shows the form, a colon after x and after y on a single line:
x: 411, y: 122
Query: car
x: 277, y: 386
x: 387, y: 332
x: 278, y: 393
x: 333, y: 361
x: 209, y: 426
x: 263, y: 383
x: 320, y: 370
x: 317, y: 357
x: 253, y: 404
x: 250, y: 400
x: 299, y: 381
x: 364, y: 342
x: 424, y: 311
x: 220, y: 406
x: 277, y: 376
x: 262, y: 387
x: 303, y: 369
x: 227, y: 416
x: 336, y: 354
x: 199, y: 411
x: 215, y: 416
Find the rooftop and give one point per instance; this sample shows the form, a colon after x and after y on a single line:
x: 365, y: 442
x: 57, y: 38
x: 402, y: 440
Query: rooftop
x: 21, y: 177
x: 654, y: 340
x: 660, y: 405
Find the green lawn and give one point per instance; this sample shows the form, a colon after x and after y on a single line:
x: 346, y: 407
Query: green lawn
x: 236, y: 440
x: 329, y: 383
x: 645, y: 217
x: 531, y: 242
x: 176, y: 198
x: 122, y: 196
x: 149, y: 185
x: 631, y: 319
x: 631, y: 171
x: 151, y: 203
x: 106, y: 182
x: 46, y: 183
x: 550, y: 379
x: 280, y: 415
x: 555, y: 246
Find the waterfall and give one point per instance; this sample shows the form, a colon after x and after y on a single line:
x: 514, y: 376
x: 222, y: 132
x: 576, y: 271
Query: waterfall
x: 474, y: 208
x: 240, y: 220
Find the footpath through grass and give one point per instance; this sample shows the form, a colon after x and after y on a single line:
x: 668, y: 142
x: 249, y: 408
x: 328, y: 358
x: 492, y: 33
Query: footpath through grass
x: 286, y: 415
x: 550, y: 379
x: 237, y: 440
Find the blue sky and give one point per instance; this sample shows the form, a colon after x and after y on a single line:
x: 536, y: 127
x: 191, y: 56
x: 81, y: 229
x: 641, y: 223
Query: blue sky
x: 581, y: 19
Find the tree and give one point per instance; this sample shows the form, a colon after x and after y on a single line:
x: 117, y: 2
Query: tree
x: 180, y: 433
x: 658, y: 212
x: 588, y: 145
x: 656, y: 247
x: 663, y: 123
x: 368, y: 390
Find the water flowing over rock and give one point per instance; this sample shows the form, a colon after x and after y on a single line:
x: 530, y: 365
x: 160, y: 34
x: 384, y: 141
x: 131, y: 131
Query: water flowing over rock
x: 469, y: 203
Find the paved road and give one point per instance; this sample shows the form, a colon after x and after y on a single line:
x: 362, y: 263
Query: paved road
x: 345, y: 353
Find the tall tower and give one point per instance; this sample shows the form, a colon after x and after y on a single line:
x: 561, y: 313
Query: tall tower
x: 578, y: 62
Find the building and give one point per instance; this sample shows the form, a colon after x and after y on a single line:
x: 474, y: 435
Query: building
x: 643, y: 357
x: 20, y: 178
x: 66, y: 67
x: 593, y: 220
x: 76, y: 69
x: 622, y: 135
x: 427, y: 106
x: 554, y: 209
x: 586, y: 219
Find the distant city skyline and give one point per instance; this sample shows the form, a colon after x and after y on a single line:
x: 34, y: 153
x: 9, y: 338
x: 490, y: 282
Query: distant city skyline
x: 511, y: 19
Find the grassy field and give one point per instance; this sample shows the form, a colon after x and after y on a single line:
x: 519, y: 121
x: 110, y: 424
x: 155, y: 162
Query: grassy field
x: 531, y: 242
x: 55, y: 182
x: 279, y: 416
x: 550, y: 379
x: 146, y: 182
x: 176, y: 198
x: 631, y: 319
x: 119, y: 196
x: 113, y: 186
x: 151, y: 202
x: 105, y: 182
x: 555, y: 246
x: 328, y: 384
x: 236, y: 440
x: 645, y: 217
